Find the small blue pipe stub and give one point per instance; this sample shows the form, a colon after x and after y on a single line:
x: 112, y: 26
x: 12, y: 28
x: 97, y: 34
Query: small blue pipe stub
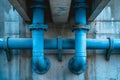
x: 111, y: 48
x: 6, y: 49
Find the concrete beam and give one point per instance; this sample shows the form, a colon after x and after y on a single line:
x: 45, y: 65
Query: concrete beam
x: 20, y: 6
x: 60, y: 10
x: 96, y: 7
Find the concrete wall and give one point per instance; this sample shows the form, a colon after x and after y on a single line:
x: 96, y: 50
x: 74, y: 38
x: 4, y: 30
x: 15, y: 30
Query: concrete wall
x: 19, y: 68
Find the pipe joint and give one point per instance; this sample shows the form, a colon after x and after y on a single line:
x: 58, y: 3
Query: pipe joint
x: 77, y: 66
x: 37, y: 66
x: 38, y: 26
x: 80, y: 26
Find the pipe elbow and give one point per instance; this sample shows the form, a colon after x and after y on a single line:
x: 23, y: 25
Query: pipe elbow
x: 77, y: 65
x: 39, y: 66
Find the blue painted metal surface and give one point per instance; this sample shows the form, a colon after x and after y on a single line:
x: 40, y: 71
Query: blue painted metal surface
x: 69, y: 43
x: 40, y: 64
x: 77, y: 64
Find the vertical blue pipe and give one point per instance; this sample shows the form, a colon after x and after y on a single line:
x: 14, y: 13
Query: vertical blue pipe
x: 38, y: 38
x: 80, y: 39
x: 40, y: 63
x: 77, y: 64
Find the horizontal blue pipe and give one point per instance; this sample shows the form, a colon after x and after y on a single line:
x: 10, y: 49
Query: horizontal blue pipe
x: 68, y: 43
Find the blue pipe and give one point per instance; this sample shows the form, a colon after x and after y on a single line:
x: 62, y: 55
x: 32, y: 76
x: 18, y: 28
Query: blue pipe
x: 40, y: 63
x: 69, y: 43
x: 77, y: 64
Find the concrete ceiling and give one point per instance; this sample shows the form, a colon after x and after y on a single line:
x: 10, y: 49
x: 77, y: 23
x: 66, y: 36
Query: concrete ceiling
x: 60, y: 10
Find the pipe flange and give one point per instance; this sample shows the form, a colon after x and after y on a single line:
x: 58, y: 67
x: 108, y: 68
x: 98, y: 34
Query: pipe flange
x: 38, y: 26
x: 81, y: 5
x: 80, y: 26
x: 70, y: 66
x: 42, y: 71
x: 111, y: 47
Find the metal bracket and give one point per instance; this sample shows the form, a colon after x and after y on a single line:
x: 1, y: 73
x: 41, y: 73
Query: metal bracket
x: 80, y: 26
x: 6, y: 49
x: 109, y: 51
x: 60, y: 48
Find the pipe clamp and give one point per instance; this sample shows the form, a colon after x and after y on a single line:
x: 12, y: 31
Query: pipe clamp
x: 6, y: 48
x: 38, y: 26
x: 111, y: 47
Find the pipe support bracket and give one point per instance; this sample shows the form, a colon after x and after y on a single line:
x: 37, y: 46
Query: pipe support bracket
x: 6, y: 48
x: 111, y: 48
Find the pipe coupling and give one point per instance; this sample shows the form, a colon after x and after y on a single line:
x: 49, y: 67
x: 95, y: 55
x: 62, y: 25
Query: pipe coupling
x: 6, y: 42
